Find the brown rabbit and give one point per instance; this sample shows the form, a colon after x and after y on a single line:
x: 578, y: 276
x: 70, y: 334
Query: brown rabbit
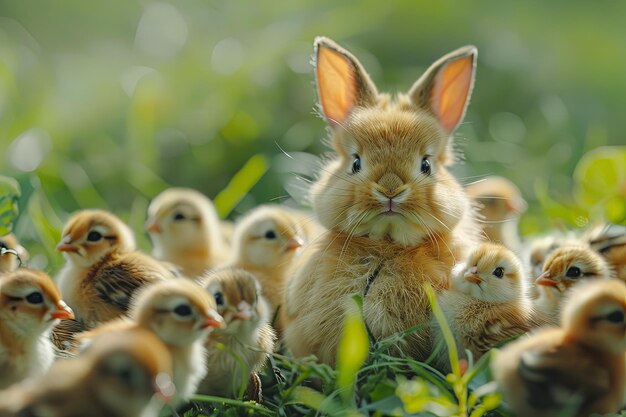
x: 396, y: 218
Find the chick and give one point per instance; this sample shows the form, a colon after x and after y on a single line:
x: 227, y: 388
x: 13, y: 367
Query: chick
x: 265, y: 242
x: 538, y: 250
x: 247, y: 340
x: 124, y: 374
x: 12, y: 254
x: 564, y: 268
x: 501, y: 205
x: 610, y: 241
x: 486, y: 304
x: 103, y: 271
x: 185, y: 230
x: 182, y: 315
x: 579, y: 367
x: 30, y: 304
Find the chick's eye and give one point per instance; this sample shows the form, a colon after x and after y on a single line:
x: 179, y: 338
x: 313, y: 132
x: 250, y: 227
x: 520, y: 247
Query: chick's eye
x: 94, y: 236
x: 356, y: 164
x: 179, y: 216
x: 498, y: 272
x: 270, y: 234
x: 219, y: 298
x: 425, y: 167
x: 35, y: 298
x: 183, y: 310
x: 573, y: 272
x: 615, y: 317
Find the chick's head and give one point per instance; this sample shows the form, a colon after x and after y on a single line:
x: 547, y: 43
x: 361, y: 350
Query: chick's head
x: 177, y: 310
x: 568, y: 266
x: 30, y: 302
x: 237, y: 294
x: 12, y: 254
x: 267, y: 237
x: 128, y: 369
x: 92, y: 234
x: 491, y: 273
x: 181, y: 218
x: 594, y: 315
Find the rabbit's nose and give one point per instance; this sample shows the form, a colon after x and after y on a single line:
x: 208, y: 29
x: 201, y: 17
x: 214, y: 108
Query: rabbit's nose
x: 390, y: 185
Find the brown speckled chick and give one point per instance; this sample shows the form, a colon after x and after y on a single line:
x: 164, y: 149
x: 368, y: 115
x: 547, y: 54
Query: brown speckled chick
x: 610, y: 241
x: 486, y: 304
x: 247, y: 337
x: 30, y: 305
x: 564, y: 268
x: 580, y: 365
x: 124, y: 374
x: 186, y: 231
x: 103, y: 271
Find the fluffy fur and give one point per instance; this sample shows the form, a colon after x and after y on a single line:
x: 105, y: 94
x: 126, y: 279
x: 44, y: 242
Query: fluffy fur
x: 501, y: 204
x: 483, y: 309
x: 186, y: 231
x: 247, y: 337
x: 10, y: 261
x: 103, y: 271
x: 385, y: 215
x: 120, y: 375
x: 266, y: 243
x: 583, y: 362
x: 610, y: 241
x: 30, y: 305
x: 559, y: 275
x: 158, y: 308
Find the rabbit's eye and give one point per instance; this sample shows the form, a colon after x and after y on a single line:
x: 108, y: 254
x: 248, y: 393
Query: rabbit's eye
x: 356, y: 164
x: 573, y: 272
x: 425, y: 166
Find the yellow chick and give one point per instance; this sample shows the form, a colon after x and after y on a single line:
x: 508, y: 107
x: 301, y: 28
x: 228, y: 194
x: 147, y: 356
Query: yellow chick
x: 30, y: 305
x: 182, y: 315
x: 579, y: 367
x: 501, y: 205
x: 12, y: 254
x: 610, y: 241
x: 265, y: 242
x: 103, y: 271
x: 245, y: 342
x: 486, y: 304
x: 564, y: 268
x: 185, y: 230
x: 124, y: 374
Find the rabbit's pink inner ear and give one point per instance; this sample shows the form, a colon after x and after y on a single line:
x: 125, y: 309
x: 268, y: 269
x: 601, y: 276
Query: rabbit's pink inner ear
x: 336, y: 83
x: 451, y: 91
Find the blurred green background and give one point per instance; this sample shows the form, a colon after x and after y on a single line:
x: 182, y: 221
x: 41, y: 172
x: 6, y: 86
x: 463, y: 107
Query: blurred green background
x: 104, y: 104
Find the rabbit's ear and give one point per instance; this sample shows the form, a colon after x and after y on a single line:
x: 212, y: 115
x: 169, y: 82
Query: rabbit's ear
x: 342, y: 83
x: 446, y: 86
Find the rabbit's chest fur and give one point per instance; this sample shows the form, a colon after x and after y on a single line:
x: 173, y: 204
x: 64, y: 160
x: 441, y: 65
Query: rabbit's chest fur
x: 390, y: 279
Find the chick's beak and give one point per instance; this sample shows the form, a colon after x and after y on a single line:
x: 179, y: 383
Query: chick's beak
x: 294, y: 243
x: 164, y: 387
x: 152, y: 227
x: 545, y: 281
x: 213, y: 320
x: 62, y: 312
x: 474, y: 279
x: 65, y: 245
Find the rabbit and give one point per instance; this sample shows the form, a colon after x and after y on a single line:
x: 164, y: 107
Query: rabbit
x: 396, y: 219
